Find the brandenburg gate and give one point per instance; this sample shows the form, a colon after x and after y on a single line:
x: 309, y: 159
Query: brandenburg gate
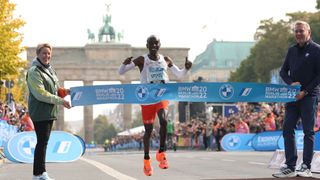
x: 100, y: 62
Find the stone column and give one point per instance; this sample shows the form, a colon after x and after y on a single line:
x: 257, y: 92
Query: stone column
x: 88, y: 119
x: 60, y: 120
x: 127, y: 112
x: 127, y: 116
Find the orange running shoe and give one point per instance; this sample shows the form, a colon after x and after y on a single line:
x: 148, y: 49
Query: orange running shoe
x: 161, y: 158
x: 147, y: 169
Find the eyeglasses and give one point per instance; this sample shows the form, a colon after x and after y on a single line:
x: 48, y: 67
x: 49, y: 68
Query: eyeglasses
x: 299, y: 31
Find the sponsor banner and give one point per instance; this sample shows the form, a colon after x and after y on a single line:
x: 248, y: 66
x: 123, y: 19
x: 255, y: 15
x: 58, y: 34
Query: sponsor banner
x: 237, y: 142
x: 299, y: 140
x: 62, y: 147
x: 316, y: 141
x: 192, y: 92
x: 266, y: 141
x: 230, y: 110
x: 82, y: 142
x: 6, y: 132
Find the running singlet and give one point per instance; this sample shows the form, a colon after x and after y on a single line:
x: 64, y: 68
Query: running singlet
x: 154, y: 71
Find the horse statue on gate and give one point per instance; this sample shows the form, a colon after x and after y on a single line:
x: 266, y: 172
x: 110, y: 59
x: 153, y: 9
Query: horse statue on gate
x: 107, y: 30
x: 91, y: 36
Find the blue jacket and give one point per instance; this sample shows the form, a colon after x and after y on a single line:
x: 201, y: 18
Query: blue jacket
x: 302, y: 64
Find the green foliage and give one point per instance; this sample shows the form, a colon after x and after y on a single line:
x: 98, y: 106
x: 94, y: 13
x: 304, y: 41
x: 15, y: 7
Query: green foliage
x: 245, y: 73
x: 10, y: 40
x: 271, y: 48
x: 103, y: 130
x: 11, y: 65
x: 273, y: 40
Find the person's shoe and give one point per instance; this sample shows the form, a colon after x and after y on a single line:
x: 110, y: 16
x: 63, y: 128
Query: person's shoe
x: 147, y: 168
x: 161, y: 158
x: 304, y: 171
x: 284, y: 171
x: 44, y: 176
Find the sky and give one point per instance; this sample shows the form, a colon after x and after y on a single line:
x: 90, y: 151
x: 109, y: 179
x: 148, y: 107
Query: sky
x: 178, y: 23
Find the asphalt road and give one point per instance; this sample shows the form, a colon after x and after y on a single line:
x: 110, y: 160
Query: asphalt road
x: 185, y: 165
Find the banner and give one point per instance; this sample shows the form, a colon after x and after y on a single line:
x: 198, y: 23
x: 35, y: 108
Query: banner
x: 62, y: 147
x: 299, y: 135
x: 237, y: 142
x: 6, y: 132
x: 266, y: 141
x: 229, y: 110
x: 191, y: 92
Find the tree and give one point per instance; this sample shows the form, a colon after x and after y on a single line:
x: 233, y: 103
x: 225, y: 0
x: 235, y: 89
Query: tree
x: 267, y: 54
x: 103, y: 130
x: 273, y: 41
x: 11, y: 65
x: 245, y: 73
x: 270, y: 50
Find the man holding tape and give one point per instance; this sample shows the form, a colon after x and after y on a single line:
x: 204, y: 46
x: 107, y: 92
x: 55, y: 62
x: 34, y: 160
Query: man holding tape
x: 153, y: 67
x: 301, y: 67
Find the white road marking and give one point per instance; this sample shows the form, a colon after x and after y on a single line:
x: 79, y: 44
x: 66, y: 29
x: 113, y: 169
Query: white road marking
x: 257, y: 163
x: 228, y: 160
x: 108, y: 170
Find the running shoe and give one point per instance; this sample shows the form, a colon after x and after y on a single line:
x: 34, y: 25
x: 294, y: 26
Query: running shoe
x: 161, y: 158
x: 147, y: 168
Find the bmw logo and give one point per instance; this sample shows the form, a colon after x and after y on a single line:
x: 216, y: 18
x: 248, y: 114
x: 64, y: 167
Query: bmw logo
x: 27, y: 146
x: 234, y: 142
x: 226, y: 91
x: 142, y: 93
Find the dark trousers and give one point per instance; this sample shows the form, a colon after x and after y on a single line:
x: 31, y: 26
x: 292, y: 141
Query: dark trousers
x: 43, y: 130
x: 306, y: 109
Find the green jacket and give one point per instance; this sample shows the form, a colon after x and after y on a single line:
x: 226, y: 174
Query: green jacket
x: 43, y: 85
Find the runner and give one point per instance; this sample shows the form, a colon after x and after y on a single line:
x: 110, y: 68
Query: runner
x: 153, y: 68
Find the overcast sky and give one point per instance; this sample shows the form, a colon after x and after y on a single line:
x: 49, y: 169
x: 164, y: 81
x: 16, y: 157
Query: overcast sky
x: 182, y: 23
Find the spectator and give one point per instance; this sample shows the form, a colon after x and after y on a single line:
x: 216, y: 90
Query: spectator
x: 269, y: 122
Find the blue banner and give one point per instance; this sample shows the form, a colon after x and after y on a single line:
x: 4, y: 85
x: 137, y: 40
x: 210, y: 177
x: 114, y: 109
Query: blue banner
x: 62, y: 147
x: 6, y: 132
x: 299, y: 135
x: 237, y: 142
x: 316, y: 141
x: 191, y: 92
x: 266, y: 141
x: 230, y: 110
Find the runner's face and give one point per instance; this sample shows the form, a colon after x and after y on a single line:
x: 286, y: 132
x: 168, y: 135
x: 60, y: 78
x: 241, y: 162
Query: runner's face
x: 153, y: 45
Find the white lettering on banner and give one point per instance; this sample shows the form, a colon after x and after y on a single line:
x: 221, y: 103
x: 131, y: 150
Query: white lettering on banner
x: 111, y: 93
x: 64, y: 147
x: 274, y: 92
x: 267, y: 140
x: 193, y: 92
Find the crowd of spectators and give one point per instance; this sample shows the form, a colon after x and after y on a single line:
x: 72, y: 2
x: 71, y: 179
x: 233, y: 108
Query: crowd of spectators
x: 207, y: 133
x: 16, y: 115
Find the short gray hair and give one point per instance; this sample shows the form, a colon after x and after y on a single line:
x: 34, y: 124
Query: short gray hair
x: 43, y: 45
x: 299, y: 22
